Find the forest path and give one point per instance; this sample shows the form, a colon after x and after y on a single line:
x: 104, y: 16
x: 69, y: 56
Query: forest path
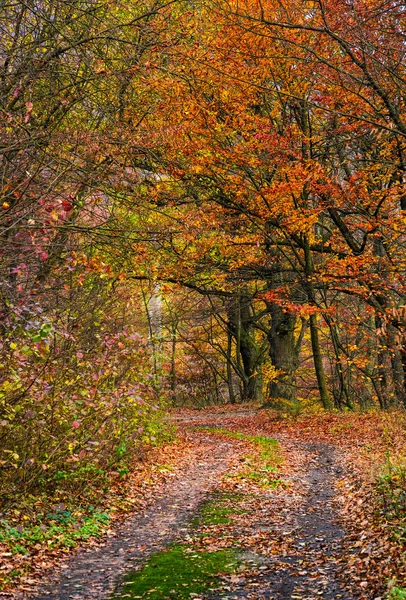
x: 290, y: 542
x: 303, y: 552
x: 93, y: 573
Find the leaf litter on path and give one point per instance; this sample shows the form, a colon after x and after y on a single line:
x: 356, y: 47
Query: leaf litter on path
x: 287, y: 534
x: 93, y: 572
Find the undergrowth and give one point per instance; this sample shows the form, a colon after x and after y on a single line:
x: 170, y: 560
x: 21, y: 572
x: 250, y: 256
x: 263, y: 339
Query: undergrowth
x: 59, y: 529
x: 391, y: 495
x: 78, y: 506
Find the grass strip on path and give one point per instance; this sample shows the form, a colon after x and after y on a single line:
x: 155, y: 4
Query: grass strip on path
x: 178, y: 572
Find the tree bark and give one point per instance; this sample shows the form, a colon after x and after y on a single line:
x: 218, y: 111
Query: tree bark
x: 283, y: 352
x: 314, y: 332
x: 241, y: 326
x: 230, y: 386
x: 318, y: 363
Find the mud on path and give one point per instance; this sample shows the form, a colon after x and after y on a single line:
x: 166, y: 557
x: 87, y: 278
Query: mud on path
x: 292, y: 541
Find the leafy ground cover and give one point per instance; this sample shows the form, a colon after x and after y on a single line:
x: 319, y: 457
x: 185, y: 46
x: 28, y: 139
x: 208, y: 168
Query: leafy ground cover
x: 38, y: 531
x: 370, y: 494
x: 314, y: 502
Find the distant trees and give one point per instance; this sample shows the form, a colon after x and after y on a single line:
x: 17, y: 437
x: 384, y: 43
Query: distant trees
x: 242, y: 163
x: 285, y: 144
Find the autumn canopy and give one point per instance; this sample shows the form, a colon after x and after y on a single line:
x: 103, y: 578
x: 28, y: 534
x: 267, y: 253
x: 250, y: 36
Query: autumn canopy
x: 201, y: 202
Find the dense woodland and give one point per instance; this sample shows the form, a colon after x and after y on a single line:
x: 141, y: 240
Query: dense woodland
x: 202, y: 202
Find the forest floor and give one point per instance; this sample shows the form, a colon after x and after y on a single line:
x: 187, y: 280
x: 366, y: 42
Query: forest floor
x: 257, y: 506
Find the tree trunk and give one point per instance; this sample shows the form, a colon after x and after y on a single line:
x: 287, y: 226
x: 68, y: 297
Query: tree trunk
x: 231, y: 393
x: 318, y: 363
x: 283, y: 352
x: 173, y: 363
x: 314, y: 332
x: 249, y: 355
x: 343, y: 391
x: 398, y: 363
x: 154, y: 313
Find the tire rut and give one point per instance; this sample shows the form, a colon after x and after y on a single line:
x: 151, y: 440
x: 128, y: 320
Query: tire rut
x: 307, y: 568
x: 311, y: 568
x: 95, y: 573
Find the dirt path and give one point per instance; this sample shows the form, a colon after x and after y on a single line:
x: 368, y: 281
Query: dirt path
x: 95, y: 573
x: 297, y: 545
x: 308, y: 565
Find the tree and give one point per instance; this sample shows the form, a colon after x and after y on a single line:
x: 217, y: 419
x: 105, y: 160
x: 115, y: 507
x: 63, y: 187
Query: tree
x: 277, y: 144
x: 71, y: 333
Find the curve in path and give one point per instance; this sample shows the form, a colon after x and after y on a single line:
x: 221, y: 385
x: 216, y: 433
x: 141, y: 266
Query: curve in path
x: 306, y: 569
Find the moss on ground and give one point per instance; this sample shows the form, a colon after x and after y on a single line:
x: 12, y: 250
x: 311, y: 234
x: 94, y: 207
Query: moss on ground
x: 397, y: 594
x: 178, y: 572
x: 263, y: 465
x: 181, y: 570
x: 218, y: 509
